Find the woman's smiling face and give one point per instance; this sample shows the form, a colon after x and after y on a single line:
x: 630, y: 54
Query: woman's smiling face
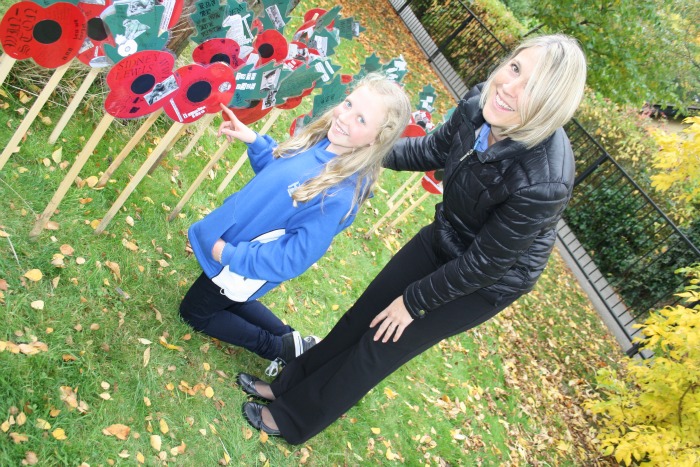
x: 507, y: 91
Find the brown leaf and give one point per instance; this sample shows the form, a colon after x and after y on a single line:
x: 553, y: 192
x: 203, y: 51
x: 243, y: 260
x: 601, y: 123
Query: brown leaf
x: 117, y: 430
x: 19, y: 438
x: 114, y: 267
x: 66, y: 249
x: 30, y: 458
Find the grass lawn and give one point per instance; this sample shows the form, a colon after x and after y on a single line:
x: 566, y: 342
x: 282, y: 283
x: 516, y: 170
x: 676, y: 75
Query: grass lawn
x: 108, y: 374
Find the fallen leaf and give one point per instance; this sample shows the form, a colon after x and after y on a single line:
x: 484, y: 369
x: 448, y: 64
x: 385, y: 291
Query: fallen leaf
x: 66, y: 250
x: 140, y: 458
x: 264, y: 437
x: 4, y: 234
x: 30, y: 458
x: 165, y: 344
x: 33, y: 275
x: 37, y: 304
x: 18, y: 438
x: 129, y: 245
x: 114, y: 267
x: 124, y: 454
x: 117, y: 430
x: 130, y: 221
x: 91, y: 181
x: 146, y: 356
x: 105, y: 396
x: 21, y: 419
x: 59, y: 434
x: 57, y: 155
x: 390, y: 393
x: 209, y: 392
x: 376, y: 431
x: 42, y: 424
x: 163, y: 426
x: 155, y: 442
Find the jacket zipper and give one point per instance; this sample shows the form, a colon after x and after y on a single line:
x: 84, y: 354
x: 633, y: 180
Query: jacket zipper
x: 468, y: 153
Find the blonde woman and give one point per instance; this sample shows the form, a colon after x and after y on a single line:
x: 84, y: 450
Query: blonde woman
x: 305, y: 191
x: 509, y: 172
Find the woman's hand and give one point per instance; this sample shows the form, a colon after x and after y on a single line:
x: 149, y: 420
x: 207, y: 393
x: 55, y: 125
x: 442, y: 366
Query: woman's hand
x: 217, y: 250
x: 394, y: 319
x: 233, y: 128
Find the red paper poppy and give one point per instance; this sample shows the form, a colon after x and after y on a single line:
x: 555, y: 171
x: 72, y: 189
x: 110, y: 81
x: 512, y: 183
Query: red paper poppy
x: 314, y: 14
x: 412, y: 131
x: 431, y: 183
x: 202, y: 89
x: 139, y: 83
x: 270, y: 45
x: 346, y: 79
x: 52, y: 36
x: 249, y: 115
x: 97, y: 34
x: 219, y: 50
x: 290, y: 103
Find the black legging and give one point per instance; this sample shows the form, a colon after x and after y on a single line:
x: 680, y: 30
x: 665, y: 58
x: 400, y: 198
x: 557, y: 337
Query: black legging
x: 319, y: 386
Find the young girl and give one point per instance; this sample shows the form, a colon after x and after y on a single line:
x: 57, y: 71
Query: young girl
x: 305, y: 191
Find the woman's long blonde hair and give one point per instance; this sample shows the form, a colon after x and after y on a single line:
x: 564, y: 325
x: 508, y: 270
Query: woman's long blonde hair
x: 553, y: 91
x: 365, y: 161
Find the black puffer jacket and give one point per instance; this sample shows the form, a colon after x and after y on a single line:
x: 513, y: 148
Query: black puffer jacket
x: 496, y: 225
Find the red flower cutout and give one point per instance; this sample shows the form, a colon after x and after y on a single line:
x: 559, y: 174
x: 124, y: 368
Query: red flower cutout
x: 249, y: 115
x: 219, y: 50
x: 202, y: 90
x: 52, y: 36
x: 432, y: 182
x: 92, y: 50
x: 270, y: 45
x: 139, y: 83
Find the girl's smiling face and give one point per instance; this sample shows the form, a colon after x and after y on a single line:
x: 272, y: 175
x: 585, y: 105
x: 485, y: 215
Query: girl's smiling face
x: 506, y: 94
x: 357, y: 121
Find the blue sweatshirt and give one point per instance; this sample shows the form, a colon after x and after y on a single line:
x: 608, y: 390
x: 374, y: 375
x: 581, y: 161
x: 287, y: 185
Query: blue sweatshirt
x: 268, y: 239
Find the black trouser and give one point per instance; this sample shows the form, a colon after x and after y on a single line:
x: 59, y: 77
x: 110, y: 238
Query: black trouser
x: 250, y: 325
x: 316, y: 388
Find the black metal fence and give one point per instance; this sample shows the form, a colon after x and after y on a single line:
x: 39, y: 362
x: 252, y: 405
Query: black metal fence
x: 624, y: 245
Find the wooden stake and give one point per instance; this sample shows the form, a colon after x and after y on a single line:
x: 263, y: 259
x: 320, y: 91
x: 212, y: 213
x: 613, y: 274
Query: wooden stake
x: 274, y: 114
x: 411, y: 179
x: 198, y: 181
x: 410, y: 209
x: 6, y: 64
x: 72, y: 174
x: 393, y: 208
x: 13, y: 144
x: 129, y: 147
x: 77, y: 99
x: 140, y: 174
x: 164, y: 154
x: 204, y: 123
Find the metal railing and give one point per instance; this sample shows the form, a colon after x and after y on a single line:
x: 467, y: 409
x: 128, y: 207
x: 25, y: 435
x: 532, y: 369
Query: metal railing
x: 624, y: 245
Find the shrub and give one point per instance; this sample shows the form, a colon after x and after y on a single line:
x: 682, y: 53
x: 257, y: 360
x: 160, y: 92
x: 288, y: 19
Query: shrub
x: 651, y: 415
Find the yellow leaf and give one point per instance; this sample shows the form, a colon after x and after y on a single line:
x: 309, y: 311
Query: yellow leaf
x: 163, y: 426
x: 91, y: 181
x: 57, y: 155
x: 264, y: 437
x: 335, y: 307
x: 389, y: 393
x: 42, y: 424
x: 376, y: 431
x: 140, y: 458
x: 390, y: 454
x: 33, y: 275
x: 155, y: 442
x: 146, y: 356
x: 59, y: 434
x: 165, y: 344
x: 4, y: 234
x: 209, y: 392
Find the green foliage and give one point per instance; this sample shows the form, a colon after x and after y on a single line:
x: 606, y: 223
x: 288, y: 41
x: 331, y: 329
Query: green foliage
x: 678, y: 169
x: 637, y: 51
x: 649, y: 415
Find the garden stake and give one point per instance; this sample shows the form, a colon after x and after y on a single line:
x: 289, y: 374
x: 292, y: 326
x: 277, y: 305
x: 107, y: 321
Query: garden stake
x: 72, y: 174
x: 77, y: 99
x: 6, y: 64
x: 129, y: 146
x: 13, y: 145
x: 140, y: 174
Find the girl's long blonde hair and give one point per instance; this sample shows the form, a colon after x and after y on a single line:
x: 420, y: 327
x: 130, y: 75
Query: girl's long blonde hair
x: 365, y: 161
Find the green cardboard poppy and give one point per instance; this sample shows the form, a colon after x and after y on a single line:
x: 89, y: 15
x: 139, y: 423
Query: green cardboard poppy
x: 135, y: 27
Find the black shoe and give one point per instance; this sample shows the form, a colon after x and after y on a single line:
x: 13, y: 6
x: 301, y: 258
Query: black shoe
x: 252, y: 411
x: 247, y: 384
x: 293, y: 345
